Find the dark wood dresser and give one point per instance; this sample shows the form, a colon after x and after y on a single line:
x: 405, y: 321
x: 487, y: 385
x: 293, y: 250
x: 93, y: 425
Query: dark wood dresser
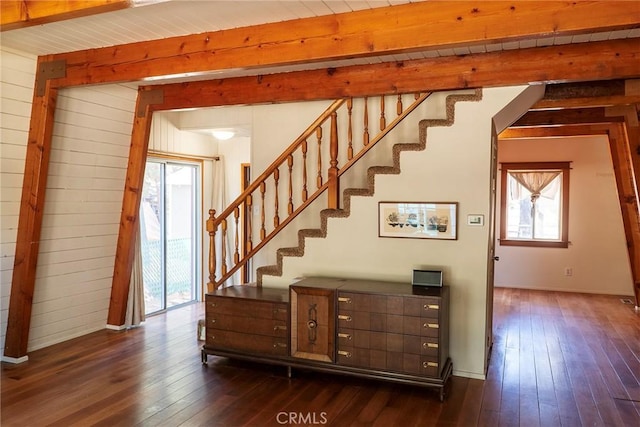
x: 373, y: 329
x: 248, y: 319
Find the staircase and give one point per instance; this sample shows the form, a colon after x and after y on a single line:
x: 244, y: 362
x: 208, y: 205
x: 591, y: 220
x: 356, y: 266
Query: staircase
x: 368, y: 191
x: 341, y: 121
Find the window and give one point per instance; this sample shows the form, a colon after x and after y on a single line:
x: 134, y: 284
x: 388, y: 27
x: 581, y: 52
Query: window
x: 534, y: 204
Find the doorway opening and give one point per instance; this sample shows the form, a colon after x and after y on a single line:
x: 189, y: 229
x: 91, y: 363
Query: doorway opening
x: 170, y: 233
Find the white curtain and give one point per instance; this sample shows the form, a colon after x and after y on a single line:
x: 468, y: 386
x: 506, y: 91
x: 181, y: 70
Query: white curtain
x: 135, y: 303
x: 219, y: 202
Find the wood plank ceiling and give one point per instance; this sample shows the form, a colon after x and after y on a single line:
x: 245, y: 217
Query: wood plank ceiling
x: 355, y: 47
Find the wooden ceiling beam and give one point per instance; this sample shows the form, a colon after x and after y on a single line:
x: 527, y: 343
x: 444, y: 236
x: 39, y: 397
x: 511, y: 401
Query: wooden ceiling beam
x: 590, y: 94
x: 380, y: 31
x: 537, y: 132
x: 26, y: 13
x: 590, y: 61
x: 567, y: 116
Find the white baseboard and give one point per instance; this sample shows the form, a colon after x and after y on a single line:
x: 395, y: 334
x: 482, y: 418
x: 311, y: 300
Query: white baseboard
x: 116, y: 328
x: 472, y: 375
x: 15, y: 360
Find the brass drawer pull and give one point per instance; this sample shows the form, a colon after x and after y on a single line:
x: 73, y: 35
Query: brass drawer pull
x: 429, y: 365
x: 279, y: 344
x: 344, y: 299
x: 431, y: 325
x: 279, y: 310
x: 346, y: 354
x: 212, y: 304
x: 347, y: 336
x: 279, y: 328
x: 213, y: 320
x: 431, y: 307
x: 344, y: 317
x: 429, y: 345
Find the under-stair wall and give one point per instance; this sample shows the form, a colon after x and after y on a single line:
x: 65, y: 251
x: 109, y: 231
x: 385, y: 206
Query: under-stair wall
x: 434, y: 107
x: 454, y: 167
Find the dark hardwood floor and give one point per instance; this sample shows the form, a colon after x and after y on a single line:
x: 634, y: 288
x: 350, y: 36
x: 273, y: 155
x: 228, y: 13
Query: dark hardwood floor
x: 559, y: 359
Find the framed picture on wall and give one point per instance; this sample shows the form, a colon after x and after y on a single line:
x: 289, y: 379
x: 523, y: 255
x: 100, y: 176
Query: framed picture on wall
x: 418, y: 220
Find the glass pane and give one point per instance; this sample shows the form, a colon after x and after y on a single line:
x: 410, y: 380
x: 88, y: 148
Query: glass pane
x: 548, y: 211
x: 180, y: 236
x: 528, y: 222
x: 151, y: 213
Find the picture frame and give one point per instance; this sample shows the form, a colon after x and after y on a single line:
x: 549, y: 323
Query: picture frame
x: 418, y: 220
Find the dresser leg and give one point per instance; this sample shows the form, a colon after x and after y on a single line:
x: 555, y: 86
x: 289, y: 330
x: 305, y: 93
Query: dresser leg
x: 203, y: 357
x: 288, y: 371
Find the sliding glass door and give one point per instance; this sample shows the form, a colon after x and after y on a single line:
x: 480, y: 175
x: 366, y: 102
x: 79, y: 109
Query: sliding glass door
x: 169, y: 215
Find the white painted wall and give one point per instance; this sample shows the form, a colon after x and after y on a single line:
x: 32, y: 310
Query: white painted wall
x: 17, y: 74
x: 275, y: 127
x: 597, y: 253
x: 454, y: 167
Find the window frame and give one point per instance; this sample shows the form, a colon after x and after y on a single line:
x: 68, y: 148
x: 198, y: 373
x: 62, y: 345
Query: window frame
x: 563, y: 242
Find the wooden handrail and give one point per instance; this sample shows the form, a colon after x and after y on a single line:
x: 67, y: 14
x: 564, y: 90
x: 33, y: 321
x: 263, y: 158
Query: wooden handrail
x: 218, y: 226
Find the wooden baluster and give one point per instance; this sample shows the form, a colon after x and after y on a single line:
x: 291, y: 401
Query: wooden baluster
x: 211, y: 285
x: 365, y: 137
x: 263, y: 231
x: 350, y: 129
x: 399, y: 105
x: 383, y: 121
x: 319, y: 137
x: 290, y: 164
x: 332, y: 175
x: 305, y: 193
x: 236, y: 254
x: 249, y: 239
x: 223, y: 247
x: 276, y: 218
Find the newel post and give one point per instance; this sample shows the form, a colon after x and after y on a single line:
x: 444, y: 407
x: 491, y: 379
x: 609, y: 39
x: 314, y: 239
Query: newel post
x: 211, y: 286
x: 332, y: 176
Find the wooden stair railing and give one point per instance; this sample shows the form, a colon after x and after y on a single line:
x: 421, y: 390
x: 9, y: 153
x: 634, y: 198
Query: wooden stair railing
x: 269, y: 184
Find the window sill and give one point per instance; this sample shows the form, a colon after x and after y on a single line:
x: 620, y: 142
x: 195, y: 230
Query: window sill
x: 534, y: 243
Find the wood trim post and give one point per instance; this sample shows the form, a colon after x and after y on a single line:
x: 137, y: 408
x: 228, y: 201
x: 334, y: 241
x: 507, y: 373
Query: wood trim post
x: 129, y: 218
x: 30, y: 221
x: 628, y: 195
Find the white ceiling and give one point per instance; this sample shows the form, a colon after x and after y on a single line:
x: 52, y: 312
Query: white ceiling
x: 168, y: 18
x: 161, y: 19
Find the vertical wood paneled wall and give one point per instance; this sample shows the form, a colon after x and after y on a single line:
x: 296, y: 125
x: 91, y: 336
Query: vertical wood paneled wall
x: 17, y: 74
x: 90, y: 146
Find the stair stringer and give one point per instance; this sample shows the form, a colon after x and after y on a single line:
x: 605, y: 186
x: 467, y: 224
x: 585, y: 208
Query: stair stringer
x: 369, y: 190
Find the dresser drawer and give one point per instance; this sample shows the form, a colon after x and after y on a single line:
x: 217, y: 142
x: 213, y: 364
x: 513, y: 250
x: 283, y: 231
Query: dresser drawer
x: 353, y: 356
x: 421, y: 326
x: 425, y: 346
x: 247, y: 342
x: 242, y: 323
x: 372, y: 303
x: 354, y: 338
x: 422, y: 307
x: 250, y: 308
